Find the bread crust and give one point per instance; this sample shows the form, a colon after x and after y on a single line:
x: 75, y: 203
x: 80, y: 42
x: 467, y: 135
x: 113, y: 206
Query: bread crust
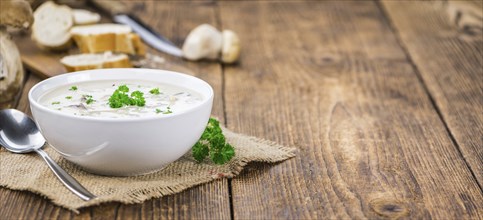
x: 119, y: 63
x: 129, y: 43
x: 138, y: 44
x: 61, y: 47
x: 123, y: 63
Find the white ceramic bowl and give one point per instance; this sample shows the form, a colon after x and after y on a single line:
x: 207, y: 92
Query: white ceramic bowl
x: 128, y: 146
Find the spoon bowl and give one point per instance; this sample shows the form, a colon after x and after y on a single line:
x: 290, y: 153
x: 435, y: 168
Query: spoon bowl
x: 19, y: 134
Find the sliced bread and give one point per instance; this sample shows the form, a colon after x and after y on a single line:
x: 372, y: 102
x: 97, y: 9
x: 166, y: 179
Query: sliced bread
x: 51, y: 26
x: 95, y: 61
x: 85, y: 17
x: 107, y: 37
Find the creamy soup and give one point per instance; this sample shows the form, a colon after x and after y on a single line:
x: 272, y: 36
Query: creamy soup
x: 120, y: 99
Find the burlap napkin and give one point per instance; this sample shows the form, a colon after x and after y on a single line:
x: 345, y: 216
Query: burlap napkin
x: 29, y: 172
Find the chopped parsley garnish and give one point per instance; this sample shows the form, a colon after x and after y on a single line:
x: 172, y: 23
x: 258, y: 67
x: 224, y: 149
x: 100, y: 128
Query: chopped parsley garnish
x: 88, y: 99
x: 137, y: 98
x: 168, y: 111
x: 55, y: 103
x: 123, y: 88
x: 154, y: 91
x: 213, y: 144
x: 121, y: 98
x: 118, y: 99
x: 73, y: 88
x: 68, y: 97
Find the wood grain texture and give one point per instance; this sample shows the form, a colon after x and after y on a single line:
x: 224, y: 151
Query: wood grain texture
x: 334, y: 79
x: 23, y: 103
x: 331, y: 78
x: 42, y: 63
x: 208, y: 201
x: 445, y: 41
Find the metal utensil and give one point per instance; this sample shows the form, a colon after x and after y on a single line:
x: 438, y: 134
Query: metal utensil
x: 19, y: 134
x: 120, y: 14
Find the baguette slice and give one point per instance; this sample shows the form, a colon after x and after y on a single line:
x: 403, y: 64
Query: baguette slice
x: 51, y: 26
x: 107, y: 37
x: 85, y: 17
x: 95, y: 61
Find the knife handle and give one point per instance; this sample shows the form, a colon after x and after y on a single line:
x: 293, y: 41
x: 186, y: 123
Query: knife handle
x: 113, y: 7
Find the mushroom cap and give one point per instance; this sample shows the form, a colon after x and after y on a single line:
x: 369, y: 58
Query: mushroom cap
x: 11, y: 69
x: 205, y: 41
x: 16, y: 13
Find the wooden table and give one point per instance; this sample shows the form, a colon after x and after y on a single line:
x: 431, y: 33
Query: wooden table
x: 383, y: 99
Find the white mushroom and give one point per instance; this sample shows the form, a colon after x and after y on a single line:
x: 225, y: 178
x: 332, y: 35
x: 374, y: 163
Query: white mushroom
x: 203, y: 42
x: 13, y: 13
x: 230, y: 51
x: 11, y: 70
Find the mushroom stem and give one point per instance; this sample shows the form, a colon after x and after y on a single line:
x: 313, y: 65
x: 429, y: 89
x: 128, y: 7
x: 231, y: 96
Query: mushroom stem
x: 231, y: 47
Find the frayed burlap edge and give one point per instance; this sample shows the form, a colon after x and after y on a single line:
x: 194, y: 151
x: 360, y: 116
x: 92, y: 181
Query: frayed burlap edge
x: 28, y: 172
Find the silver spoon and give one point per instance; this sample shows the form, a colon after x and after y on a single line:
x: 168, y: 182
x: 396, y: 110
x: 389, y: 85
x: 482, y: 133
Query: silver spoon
x: 19, y: 134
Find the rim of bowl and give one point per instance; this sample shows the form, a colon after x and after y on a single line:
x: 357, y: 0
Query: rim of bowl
x: 35, y: 103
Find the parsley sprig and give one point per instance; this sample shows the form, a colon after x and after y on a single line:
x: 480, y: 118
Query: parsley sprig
x: 154, y: 91
x: 88, y: 99
x: 121, y: 98
x: 213, y: 144
x: 168, y: 111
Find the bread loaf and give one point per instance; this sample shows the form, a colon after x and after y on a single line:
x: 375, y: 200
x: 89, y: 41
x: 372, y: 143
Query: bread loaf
x: 107, y: 37
x: 52, y: 25
x: 95, y: 61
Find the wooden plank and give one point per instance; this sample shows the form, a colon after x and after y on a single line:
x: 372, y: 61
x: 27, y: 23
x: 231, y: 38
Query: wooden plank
x: 23, y: 103
x: 331, y: 78
x: 445, y: 41
x: 208, y: 201
x: 42, y: 63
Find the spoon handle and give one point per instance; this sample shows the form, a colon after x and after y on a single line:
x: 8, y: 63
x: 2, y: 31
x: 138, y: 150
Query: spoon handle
x: 65, y: 178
